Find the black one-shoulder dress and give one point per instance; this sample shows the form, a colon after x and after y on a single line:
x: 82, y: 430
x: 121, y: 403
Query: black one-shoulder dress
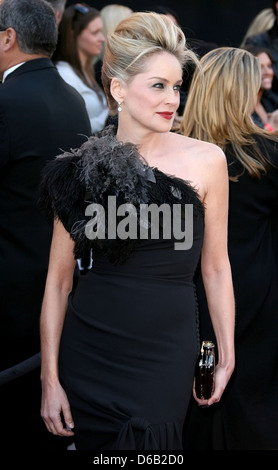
x: 130, y: 339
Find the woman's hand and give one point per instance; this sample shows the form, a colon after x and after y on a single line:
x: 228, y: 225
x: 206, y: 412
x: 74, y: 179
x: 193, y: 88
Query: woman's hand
x: 54, y: 408
x: 222, y: 377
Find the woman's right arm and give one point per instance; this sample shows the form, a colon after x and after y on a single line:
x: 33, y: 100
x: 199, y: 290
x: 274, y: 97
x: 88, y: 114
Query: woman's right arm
x: 55, y: 301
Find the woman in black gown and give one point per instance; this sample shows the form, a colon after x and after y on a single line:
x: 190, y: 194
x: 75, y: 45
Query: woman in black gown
x: 247, y: 417
x: 126, y: 340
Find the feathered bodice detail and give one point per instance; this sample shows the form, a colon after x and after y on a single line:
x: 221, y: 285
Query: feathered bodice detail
x: 103, y: 167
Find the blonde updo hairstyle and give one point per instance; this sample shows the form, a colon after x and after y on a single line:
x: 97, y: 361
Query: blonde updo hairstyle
x: 134, y: 40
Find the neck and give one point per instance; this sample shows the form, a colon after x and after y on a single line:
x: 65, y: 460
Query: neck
x: 260, y: 94
x: 83, y: 60
x: 147, y: 141
x: 19, y: 59
x: 23, y: 58
x: 261, y: 112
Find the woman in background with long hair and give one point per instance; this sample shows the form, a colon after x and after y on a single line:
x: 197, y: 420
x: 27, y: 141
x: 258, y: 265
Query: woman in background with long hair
x: 222, y: 96
x: 80, y: 42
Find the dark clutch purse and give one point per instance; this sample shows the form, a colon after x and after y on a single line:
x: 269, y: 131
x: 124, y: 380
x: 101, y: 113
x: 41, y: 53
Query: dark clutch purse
x: 205, y: 371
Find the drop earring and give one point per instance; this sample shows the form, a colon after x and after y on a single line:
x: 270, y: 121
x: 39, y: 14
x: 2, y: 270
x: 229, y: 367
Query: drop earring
x: 119, y: 106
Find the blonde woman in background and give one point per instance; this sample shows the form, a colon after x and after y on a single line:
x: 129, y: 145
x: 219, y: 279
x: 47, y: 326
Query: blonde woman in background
x: 111, y: 16
x: 218, y: 110
x: 126, y: 339
x: 263, y: 21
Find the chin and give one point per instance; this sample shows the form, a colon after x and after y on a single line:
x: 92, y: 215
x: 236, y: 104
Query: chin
x: 163, y: 129
x: 166, y: 126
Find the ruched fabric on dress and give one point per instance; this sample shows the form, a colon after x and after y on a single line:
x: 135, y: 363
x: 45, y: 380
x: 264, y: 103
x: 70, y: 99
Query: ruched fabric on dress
x: 139, y: 433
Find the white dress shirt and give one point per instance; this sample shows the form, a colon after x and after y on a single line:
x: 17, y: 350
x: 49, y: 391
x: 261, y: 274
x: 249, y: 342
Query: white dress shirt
x: 10, y: 70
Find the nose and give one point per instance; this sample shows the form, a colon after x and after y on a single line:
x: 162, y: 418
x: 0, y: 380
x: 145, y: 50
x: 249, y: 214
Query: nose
x: 267, y: 70
x: 172, y: 97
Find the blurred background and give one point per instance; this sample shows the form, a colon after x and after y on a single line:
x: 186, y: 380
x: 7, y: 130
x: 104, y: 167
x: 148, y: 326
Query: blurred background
x: 223, y: 22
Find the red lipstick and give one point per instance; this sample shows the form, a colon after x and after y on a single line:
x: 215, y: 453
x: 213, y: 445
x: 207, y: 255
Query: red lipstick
x: 166, y: 115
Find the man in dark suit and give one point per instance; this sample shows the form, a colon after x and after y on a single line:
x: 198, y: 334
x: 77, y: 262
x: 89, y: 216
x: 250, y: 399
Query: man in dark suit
x: 40, y: 116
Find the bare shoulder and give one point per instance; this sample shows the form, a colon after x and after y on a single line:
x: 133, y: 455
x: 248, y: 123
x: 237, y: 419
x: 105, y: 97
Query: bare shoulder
x: 197, y: 153
x: 208, y: 153
x: 199, y: 162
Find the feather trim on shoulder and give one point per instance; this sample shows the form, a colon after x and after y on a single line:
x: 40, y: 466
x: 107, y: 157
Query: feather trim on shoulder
x: 104, y: 167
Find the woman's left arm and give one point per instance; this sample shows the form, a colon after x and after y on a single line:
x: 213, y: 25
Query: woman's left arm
x: 216, y: 270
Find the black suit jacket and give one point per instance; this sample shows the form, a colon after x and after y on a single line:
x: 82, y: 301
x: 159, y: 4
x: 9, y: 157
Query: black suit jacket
x: 40, y: 116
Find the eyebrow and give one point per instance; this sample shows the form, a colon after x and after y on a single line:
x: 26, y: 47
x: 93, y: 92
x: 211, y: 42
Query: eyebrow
x: 164, y: 79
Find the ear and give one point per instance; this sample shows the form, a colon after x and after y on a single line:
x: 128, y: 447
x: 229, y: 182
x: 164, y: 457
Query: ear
x: 58, y: 16
x: 9, y: 39
x: 117, y: 89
